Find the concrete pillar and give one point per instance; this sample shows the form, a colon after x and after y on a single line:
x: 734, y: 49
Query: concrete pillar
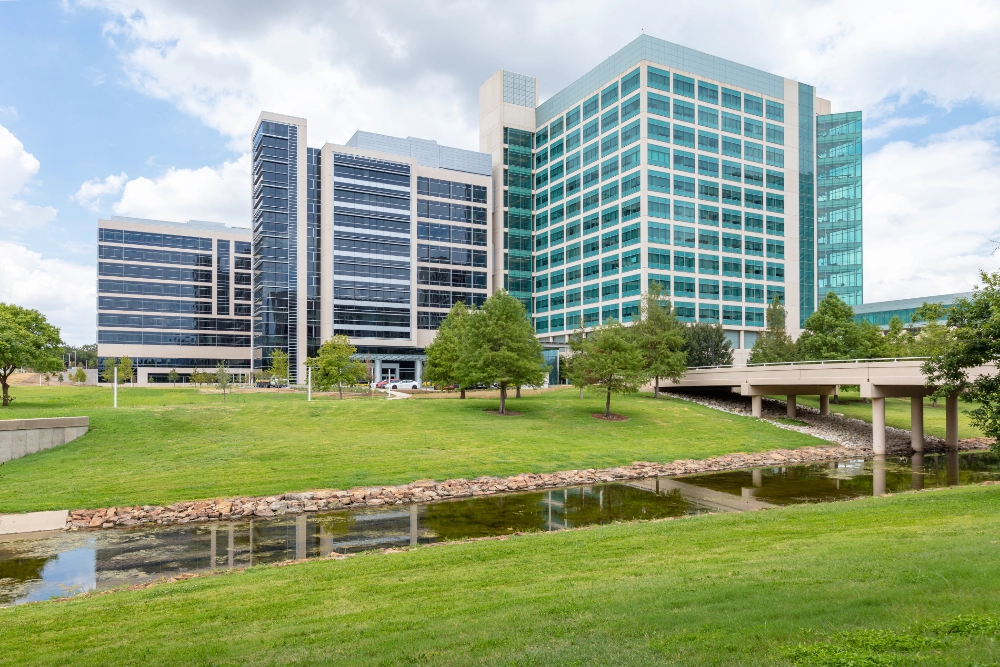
x: 917, y: 466
x: 300, y: 537
x: 212, y: 548
x: 758, y: 477
x: 951, y: 466
x: 951, y: 422
x: 917, y: 423
x: 792, y: 412
x: 878, y: 473
x: 418, y: 368
x: 878, y: 426
x: 231, y: 546
x: 824, y: 404
x: 757, y: 406
x: 414, y: 524
x: 378, y: 370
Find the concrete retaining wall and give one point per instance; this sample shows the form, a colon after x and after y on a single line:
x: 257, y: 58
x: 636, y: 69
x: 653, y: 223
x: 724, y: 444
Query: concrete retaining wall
x: 20, y: 437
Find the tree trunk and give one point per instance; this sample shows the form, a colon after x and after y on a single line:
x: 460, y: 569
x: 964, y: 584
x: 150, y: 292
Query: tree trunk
x: 607, y: 406
x: 503, y: 399
x: 656, y: 387
x: 518, y: 395
x: 462, y: 395
x: 6, y: 395
x: 340, y: 388
x: 581, y: 391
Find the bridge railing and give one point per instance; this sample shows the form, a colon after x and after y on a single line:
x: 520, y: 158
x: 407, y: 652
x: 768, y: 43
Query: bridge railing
x: 812, y: 362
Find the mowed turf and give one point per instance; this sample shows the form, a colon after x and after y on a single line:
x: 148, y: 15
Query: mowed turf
x: 897, y: 413
x: 865, y: 582
x: 164, y: 445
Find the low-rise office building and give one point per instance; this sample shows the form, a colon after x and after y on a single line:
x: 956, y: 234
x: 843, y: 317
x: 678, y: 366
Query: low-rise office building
x: 374, y: 239
x: 173, y: 296
x: 880, y: 313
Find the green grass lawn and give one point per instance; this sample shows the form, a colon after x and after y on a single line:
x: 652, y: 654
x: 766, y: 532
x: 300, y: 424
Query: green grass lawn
x: 897, y: 413
x: 164, y: 445
x: 887, y: 581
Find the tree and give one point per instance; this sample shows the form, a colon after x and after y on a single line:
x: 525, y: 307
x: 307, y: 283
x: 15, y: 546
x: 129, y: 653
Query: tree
x: 81, y: 376
x: 608, y: 357
x: 660, y: 338
x: 707, y: 345
x: 976, y: 323
x: 223, y: 378
x: 935, y: 337
x: 125, y: 370
x: 173, y: 376
x: 774, y: 344
x: 831, y: 333
x: 278, y: 369
x: 334, y: 365
x: 444, y: 352
x: 26, y: 339
x: 108, y: 374
x: 499, y: 347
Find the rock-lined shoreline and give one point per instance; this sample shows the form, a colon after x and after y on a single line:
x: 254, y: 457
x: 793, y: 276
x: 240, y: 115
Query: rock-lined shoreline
x: 428, y: 491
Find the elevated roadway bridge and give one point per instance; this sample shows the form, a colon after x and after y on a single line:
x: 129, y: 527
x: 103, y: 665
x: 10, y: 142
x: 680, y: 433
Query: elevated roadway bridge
x: 879, y: 379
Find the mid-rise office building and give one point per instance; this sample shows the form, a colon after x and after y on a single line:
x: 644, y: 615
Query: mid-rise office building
x: 173, y: 296
x: 725, y: 184
x: 374, y: 239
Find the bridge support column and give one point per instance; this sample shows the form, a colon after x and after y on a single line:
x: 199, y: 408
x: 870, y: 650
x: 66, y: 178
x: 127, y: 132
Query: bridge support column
x: 824, y: 404
x: 878, y: 475
x: 951, y: 422
x: 917, y: 423
x: 757, y: 406
x: 792, y: 412
x: 917, y: 468
x: 878, y: 426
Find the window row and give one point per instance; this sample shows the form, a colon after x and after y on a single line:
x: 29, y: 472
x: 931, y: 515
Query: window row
x: 435, y: 187
x: 436, y: 254
x: 454, y: 212
x: 166, y: 338
x: 130, y: 237
x: 429, y: 298
x: 432, y: 231
x: 629, y: 312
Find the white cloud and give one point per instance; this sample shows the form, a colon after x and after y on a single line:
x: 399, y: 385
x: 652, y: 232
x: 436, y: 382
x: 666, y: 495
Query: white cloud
x: 92, y: 192
x: 219, y: 194
x: 17, y: 167
x: 65, y: 292
x: 887, y: 127
x: 930, y: 211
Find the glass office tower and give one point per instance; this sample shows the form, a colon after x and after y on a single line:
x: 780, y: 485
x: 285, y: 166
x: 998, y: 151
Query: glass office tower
x: 667, y: 165
x: 838, y: 206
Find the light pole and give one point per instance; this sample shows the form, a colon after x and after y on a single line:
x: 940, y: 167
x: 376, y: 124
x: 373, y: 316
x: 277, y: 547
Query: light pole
x: 309, y: 389
x: 116, y: 385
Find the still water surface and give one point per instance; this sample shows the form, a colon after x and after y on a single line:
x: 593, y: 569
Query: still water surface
x: 40, y: 566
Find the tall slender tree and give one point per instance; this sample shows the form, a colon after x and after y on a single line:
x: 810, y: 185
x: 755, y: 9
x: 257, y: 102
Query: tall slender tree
x: 609, y: 358
x: 126, y: 372
x: 660, y: 338
x: 334, y: 364
x: 444, y: 352
x: 774, y: 344
x: 706, y: 345
x: 278, y: 370
x: 499, y: 347
x: 26, y: 339
x: 831, y: 333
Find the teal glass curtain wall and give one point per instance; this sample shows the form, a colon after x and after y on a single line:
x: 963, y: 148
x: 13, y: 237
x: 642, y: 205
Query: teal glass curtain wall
x: 807, y: 211
x: 838, y: 206
x: 517, y: 220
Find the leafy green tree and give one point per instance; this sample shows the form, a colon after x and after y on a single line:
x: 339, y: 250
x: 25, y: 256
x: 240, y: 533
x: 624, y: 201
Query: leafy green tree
x: 609, y: 357
x: 976, y: 323
x: 173, y: 376
x: 334, y: 365
x: 935, y: 337
x: 831, y: 333
x: 278, y: 370
x: 499, y: 347
x: 108, y: 374
x: 706, y: 345
x: 80, y: 376
x: 223, y: 379
x: 774, y: 344
x: 444, y: 352
x: 660, y: 338
x: 126, y: 372
x: 895, y: 341
x: 26, y: 339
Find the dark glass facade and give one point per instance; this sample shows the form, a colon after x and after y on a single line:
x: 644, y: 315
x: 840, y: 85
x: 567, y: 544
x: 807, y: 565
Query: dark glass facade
x: 807, y: 203
x: 517, y: 215
x: 275, y: 212
x: 838, y: 207
x: 313, y: 261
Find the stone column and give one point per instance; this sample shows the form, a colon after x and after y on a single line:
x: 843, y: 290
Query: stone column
x: 917, y: 423
x: 878, y: 472
x: 418, y: 368
x: 792, y: 412
x: 757, y: 406
x: 878, y: 427
x: 824, y: 404
x: 951, y: 422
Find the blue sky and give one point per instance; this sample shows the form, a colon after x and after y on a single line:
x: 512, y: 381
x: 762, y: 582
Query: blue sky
x: 144, y: 108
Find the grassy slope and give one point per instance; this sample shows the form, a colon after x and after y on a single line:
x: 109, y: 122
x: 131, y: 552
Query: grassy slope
x: 897, y: 413
x: 165, y: 445
x: 723, y: 589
